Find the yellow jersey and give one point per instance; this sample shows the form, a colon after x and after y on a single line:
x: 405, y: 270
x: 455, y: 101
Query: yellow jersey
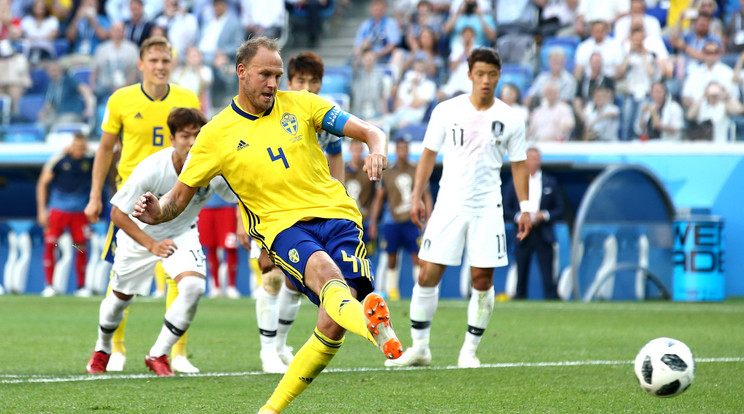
x: 142, y: 122
x: 273, y: 163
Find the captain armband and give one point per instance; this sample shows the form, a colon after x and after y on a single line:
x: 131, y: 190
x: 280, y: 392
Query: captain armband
x: 335, y: 120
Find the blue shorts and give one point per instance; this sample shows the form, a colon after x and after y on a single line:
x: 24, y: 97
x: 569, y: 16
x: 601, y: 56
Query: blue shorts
x: 401, y: 235
x: 340, y: 239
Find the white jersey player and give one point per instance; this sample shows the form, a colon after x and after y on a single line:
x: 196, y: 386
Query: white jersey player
x: 140, y: 246
x: 473, y: 132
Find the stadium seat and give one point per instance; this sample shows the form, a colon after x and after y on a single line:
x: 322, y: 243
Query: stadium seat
x: 336, y: 79
x: 327, y: 12
x: 61, y: 47
x: 39, y: 82
x: 29, y: 106
x: 341, y: 100
x: 5, y: 104
x: 23, y: 133
x: 568, y: 44
x: 81, y: 74
x: 518, y: 75
x: 415, y: 132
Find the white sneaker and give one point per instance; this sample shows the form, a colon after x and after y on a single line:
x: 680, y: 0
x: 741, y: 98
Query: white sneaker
x: 181, y: 364
x: 232, y: 292
x: 214, y: 293
x: 468, y: 360
x: 412, y: 357
x: 116, y: 362
x: 2, y: 290
x: 48, y: 292
x: 271, y: 363
x: 83, y: 293
x: 285, y: 354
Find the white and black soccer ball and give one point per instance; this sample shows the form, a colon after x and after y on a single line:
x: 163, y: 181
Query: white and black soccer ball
x: 665, y: 367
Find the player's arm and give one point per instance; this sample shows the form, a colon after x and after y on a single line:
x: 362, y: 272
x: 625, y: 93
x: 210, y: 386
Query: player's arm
x: 376, y: 160
x: 521, y: 186
x: 336, y: 166
x: 419, y: 211
x: 101, y: 166
x: 374, y: 211
x: 163, y: 248
x: 240, y: 232
x: 150, y: 210
x: 42, y: 194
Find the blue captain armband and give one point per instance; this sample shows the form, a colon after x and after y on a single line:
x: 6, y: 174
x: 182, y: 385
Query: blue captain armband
x: 334, y: 121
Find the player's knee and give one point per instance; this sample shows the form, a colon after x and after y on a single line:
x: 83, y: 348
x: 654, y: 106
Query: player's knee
x: 192, y: 287
x: 272, y: 281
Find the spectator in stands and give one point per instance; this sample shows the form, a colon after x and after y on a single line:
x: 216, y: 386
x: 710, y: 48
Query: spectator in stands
x: 137, y: 27
x: 85, y: 31
x: 15, y: 69
x: 714, y: 110
x: 517, y: 22
x: 601, y: 117
x: 224, y: 32
x: 181, y: 27
x: 470, y: 14
x: 114, y: 64
x: 61, y: 195
x: 370, y: 89
x: 697, y: 7
x: 545, y: 207
x: 423, y: 47
x: 553, y: 120
x: 313, y: 23
x: 225, y: 81
x: 711, y: 69
x: 263, y: 18
x: 585, y: 90
x: 458, y: 81
x: 119, y: 10
x: 689, y: 45
x: 651, y: 25
x: 661, y: 116
x: 556, y: 74
x: 562, y: 13
x: 40, y: 29
x: 66, y: 100
x: 599, y: 10
x: 733, y: 35
x: 635, y: 74
x: 196, y: 76
x: 379, y: 33
x: 600, y: 42
x: 423, y: 17
x: 415, y: 92
x: 510, y: 95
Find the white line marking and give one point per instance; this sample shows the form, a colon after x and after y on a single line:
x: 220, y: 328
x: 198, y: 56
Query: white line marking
x: 29, y: 379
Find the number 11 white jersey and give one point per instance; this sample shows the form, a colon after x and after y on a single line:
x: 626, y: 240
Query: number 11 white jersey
x: 472, y: 144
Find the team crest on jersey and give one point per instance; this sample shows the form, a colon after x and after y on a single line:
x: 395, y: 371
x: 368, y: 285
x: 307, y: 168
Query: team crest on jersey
x: 294, y: 256
x: 497, y: 131
x: 289, y: 123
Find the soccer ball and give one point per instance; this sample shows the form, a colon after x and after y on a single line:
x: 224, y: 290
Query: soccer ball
x: 665, y: 367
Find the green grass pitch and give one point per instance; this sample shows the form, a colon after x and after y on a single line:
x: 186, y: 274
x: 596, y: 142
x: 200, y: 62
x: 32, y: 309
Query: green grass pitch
x: 539, y: 357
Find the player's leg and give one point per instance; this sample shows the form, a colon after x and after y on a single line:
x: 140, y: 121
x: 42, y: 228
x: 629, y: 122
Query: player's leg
x: 80, y: 231
x: 267, y: 317
x: 392, y: 272
x: 228, y: 223
x: 231, y: 256
x: 522, y: 257
x: 545, y: 256
x: 110, y: 315
x: 208, y: 239
x: 289, y: 306
x: 55, y: 228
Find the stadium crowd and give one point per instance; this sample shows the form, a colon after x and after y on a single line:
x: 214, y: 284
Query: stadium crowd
x: 625, y: 71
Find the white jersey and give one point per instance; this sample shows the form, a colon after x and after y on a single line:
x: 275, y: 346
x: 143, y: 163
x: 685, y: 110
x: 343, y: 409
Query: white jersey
x: 473, y: 143
x: 157, y: 175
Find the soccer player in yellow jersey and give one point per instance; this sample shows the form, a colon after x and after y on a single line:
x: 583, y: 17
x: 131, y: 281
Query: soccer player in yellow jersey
x: 265, y: 146
x: 139, y: 113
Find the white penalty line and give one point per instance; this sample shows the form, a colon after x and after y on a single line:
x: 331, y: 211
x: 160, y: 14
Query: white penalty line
x: 29, y: 379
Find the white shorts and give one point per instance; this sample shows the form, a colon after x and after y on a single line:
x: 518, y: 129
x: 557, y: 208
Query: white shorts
x: 483, y: 238
x: 134, y: 265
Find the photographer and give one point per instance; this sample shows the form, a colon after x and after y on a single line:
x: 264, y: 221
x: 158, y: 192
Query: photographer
x: 470, y: 14
x: 710, y: 116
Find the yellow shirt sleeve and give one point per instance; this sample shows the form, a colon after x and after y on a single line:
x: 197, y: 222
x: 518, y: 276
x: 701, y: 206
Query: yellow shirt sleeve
x: 112, y: 117
x: 203, y: 162
x: 318, y: 107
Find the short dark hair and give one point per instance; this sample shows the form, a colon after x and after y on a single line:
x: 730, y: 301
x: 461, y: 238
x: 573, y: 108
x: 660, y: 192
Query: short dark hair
x: 248, y: 49
x: 181, y: 118
x: 484, y: 54
x: 306, y: 62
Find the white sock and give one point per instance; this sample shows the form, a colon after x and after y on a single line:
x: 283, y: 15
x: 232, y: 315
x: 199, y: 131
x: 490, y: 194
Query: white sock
x: 424, y: 303
x: 109, y: 317
x: 480, y: 309
x: 392, y: 279
x: 267, y: 316
x: 180, y: 314
x: 289, y: 305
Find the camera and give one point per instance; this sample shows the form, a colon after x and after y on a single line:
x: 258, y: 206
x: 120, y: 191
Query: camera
x: 470, y: 7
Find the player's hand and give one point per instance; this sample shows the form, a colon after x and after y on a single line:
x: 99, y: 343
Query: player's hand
x: 264, y: 262
x: 93, y: 210
x: 164, y: 248
x: 525, y: 225
x: 418, y: 212
x: 243, y: 237
x: 147, y: 208
x: 374, y: 165
x: 372, y: 231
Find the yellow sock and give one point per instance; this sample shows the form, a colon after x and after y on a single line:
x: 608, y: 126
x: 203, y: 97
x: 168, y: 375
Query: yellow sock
x: 344, y: 309
x: 160, y: 277
x: 118, y: 338
x: 309, y: 361
x: 179, y: 348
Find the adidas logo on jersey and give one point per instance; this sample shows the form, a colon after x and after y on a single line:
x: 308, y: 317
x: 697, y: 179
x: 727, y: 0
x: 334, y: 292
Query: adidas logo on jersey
x: 242, y: 145
x: 138, y: 116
